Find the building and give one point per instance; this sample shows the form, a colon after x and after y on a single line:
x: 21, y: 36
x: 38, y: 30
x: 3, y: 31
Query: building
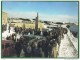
x: 4, y: 18
x: 28, y: 23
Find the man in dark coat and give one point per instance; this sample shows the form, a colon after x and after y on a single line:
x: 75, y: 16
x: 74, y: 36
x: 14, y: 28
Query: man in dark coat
x: 18, y: 48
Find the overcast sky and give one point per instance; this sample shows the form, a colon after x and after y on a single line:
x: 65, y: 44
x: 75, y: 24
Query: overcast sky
x: 50, y: 11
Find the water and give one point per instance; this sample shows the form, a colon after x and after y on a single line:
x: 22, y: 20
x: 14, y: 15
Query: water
x: 74, y: 28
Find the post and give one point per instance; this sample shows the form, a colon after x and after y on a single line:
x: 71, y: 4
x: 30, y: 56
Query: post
x: 60, y: 32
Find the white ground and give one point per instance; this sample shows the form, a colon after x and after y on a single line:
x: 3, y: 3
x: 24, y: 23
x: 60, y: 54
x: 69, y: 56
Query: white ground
x: 68, y: 49
x: 6, y: 33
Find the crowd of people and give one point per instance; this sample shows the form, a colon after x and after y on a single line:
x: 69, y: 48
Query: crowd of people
x: 22, y: 47
x: 37, y: 48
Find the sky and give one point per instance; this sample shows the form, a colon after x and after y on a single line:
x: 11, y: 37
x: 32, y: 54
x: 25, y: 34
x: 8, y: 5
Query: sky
x: 49, y: 11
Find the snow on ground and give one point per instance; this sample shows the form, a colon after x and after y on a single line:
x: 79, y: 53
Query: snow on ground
x: 66, y: 48
x: 72, y: 38
x: 6, y: 33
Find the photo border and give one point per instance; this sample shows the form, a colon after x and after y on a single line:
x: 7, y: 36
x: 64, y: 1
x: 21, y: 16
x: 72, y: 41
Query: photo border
x: 41, y: 57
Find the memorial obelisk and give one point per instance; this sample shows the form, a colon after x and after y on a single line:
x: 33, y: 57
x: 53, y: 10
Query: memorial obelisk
x: 36, y: 22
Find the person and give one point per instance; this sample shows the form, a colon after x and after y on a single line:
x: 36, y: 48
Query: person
x: 6, y: 51
x: 18, y: 48
x: 41, y: 54
x: 13, y: 37
x: 45, y: 33
x: 39, y: 44
x: 35, y: 50
x: 28, y: 50
x: 22, y: 54
x: 45, y: 48
x: 41, y: 33
x: 12, y: 50
x: 55, y: 49
x: 28, y: 33
x: 24, y: 49
x: 32, y: 46
x: 9, y: 29
x: 49, y: 50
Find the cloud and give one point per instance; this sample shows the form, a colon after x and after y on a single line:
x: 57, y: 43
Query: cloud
x: 45, y: 17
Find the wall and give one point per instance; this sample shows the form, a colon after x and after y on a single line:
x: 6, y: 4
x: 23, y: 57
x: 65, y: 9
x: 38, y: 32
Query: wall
x: 4, y: 18
x: 29, y: 25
